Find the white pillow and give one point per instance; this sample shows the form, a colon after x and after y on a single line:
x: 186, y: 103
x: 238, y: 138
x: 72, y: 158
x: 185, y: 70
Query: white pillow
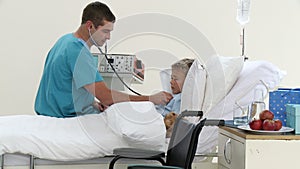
x: 193, y: 88
x: 222, y: 73
x: 252, y: 73
x: 139, y: 124
x: 165, y: 78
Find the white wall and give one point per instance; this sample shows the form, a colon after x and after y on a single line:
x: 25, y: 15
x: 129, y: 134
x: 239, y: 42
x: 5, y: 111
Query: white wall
x: 29, y: 29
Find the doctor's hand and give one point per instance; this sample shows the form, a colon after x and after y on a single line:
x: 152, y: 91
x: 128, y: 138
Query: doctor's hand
x: 161, y: 98
x: 101, y: 107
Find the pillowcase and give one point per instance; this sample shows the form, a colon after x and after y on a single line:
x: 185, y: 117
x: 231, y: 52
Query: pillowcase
x: 165, y: 78
x: 251, y: 74
x: 249, y: 79
x: 193, y: 88
x: 138, y: 123
x: 222, y: 73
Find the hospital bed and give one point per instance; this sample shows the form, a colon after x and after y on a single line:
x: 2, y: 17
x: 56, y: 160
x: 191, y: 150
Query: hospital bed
x: 88, y: 141
x: 216, y: 94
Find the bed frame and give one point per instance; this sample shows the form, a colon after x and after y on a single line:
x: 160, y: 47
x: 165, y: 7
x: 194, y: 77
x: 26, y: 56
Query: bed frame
x: 22, y: 161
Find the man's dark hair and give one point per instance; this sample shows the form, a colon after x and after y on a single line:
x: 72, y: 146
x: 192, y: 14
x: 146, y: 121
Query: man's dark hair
x: 97, y: 12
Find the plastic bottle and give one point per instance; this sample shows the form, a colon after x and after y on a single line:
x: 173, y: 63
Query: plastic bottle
x: 243, y: 10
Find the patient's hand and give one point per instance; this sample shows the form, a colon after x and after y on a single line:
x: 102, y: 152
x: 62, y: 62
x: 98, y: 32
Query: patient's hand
x: 161, y: 98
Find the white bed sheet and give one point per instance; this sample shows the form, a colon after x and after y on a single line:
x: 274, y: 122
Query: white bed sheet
x: 83, y: 137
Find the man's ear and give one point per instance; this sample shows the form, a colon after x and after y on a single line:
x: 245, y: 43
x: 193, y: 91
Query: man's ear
x: 89, y: 25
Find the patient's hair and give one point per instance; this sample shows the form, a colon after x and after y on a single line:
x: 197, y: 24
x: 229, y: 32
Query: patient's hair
x: 183, y: 64
x: 97, y: 12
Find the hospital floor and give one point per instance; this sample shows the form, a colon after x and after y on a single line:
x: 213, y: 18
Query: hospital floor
x: 209, y: 163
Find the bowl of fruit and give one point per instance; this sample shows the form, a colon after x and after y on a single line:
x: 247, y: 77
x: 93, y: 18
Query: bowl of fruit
x: 266, y: 124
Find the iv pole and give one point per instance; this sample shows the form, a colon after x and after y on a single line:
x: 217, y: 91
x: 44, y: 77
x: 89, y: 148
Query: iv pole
x: 242, y: 42
x: 243, y: 18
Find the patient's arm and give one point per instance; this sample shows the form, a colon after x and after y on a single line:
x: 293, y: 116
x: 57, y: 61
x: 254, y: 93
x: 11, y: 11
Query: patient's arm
x: 107, y: 96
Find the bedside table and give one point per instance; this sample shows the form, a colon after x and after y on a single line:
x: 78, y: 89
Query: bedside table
x: 239, y: 149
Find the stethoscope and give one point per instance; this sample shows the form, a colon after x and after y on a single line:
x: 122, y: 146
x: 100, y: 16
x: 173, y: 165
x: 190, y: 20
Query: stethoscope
x: 105, y: 54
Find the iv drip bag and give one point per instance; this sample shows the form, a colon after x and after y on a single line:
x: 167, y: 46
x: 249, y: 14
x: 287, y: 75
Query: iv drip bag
x: 243, y: 10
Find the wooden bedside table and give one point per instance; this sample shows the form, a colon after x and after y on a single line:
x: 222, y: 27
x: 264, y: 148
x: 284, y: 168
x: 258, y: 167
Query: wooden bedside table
x: 239, y: 149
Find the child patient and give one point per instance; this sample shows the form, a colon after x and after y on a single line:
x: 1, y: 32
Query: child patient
x: 172, y: 109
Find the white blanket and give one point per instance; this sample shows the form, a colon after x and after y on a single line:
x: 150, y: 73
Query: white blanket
x: 83, y: 137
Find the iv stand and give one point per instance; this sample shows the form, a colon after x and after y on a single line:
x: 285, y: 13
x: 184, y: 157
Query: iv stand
x: 243, y: 18
x: 242, y: 42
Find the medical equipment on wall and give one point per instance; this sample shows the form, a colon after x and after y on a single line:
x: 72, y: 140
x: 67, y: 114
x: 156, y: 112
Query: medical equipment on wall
x: 243, y: 10
x: 116, y: 68
x: 109, y: 72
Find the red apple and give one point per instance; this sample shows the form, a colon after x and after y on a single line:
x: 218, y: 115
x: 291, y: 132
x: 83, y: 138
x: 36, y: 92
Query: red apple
x: 255, y: 124
x: 278, y: 124
x: 266, y: 114
x: 268, y: 125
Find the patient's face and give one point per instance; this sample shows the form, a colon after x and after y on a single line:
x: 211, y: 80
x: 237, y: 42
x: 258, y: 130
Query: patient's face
x: 177, y: 80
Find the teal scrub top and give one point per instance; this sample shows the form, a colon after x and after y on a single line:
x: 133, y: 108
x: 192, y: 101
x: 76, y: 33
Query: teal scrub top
x: 68, y: 68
